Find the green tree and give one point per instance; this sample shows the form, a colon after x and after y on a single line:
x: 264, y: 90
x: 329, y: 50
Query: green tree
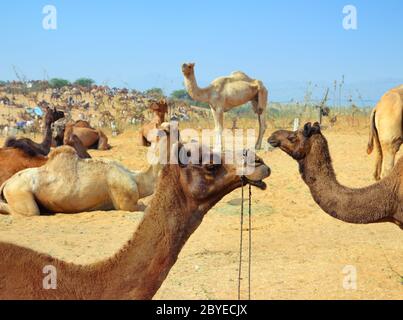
x: 3, y: 83
x: 84, y: 82
x: 155, y: 93
x: 180, y: 95
x: 59, y: 83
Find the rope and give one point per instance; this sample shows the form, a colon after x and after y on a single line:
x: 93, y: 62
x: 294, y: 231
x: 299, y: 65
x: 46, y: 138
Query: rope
x: 241, y: 246
x: 241, y: 243
x: 250, y: 238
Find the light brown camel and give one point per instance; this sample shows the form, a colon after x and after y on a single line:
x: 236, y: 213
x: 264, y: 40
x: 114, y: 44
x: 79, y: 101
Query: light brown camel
x: 68, y: 184
x: 227, y: 93
x: 185, y: 193
x: 160, y: 109
x: 13, y: 160
x: 386, y: 131
x: 381, y: 202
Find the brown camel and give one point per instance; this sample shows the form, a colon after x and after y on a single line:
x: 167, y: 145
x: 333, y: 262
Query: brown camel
x: 185, y: 193
x: 33, y: 148
x: 386, y: 131
x: 227, y: 93
x: 381, y: 202
x: 160, y: 109
x: 90, y: 138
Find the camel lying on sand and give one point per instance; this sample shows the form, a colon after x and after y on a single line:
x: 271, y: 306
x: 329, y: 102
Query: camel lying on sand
x: 381, y: 202
x: 33, y: 148
x: 13, y: 160
x: 160, y: 109
x: 227, y: 93
x: 386, y: 131
x: 185, y: 193
x: 90, y: 138
x: 68, y: 184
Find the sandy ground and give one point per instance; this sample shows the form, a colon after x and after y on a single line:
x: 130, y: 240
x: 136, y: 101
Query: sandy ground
x: 298, y: 251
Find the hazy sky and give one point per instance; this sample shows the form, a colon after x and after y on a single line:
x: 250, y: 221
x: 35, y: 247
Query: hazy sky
x: 142, y: 44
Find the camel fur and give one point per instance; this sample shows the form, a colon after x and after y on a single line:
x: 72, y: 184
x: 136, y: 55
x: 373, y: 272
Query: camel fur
x: 33, y: 148
x: 160, y: 109
x: 227, y: 93
x: 386, y: 132
x: 185, y: 193
x: 68, y: 184
x: 381, y: 202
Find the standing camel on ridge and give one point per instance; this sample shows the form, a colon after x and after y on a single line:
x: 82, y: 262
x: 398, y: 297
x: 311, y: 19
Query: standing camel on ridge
x: 227, y: 93
x: 381, y: 202
x: 185, y: 193
x: 386, y: 131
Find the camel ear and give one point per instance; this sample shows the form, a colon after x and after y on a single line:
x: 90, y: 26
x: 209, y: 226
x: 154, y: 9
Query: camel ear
x: 192, y: 65
x: 307, y: 130
x: 315, y: 128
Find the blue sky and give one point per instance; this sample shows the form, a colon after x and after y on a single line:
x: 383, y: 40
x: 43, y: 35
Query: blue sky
x: 142, y: 44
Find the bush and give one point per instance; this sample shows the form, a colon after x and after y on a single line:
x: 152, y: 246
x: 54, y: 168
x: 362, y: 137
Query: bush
x: 57, y: 83
x: 155, y: 93
x: 84, y: 82
x: 180, y: 95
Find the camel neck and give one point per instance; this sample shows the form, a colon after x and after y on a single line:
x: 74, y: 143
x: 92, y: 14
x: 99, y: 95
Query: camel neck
x: 147, y: 180
x: 141, y: 267
x: 47, y: 139
x: 194, y: 91
x: 360, y: 206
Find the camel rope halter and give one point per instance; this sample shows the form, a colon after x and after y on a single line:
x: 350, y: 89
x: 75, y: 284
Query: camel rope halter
x: 241, y: 239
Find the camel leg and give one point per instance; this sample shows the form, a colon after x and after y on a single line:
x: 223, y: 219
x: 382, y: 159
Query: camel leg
x: 262, y: 109
x: 262, y: 129
x: 218, y: 115
x: 378, y: 163
x: 21, y: 202
x: 124, y: 199
x: 389, y: 155
x: 103, y: 141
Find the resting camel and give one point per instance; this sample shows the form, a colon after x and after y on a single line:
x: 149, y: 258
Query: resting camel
x: 160, y: 109
x: 90, y: 138
x: 33, y: 148
x: 185, y: 193
x: 13, y: 160
x: 386, y: 131
x: 227, y: 93
x: 68, y: 184
x: 381, y: 202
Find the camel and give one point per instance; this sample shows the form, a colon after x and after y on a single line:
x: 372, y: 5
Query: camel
x: 227, y: 93
x: 68, y: 184
x: 33, y: 148
x: 13, y: 160
x: 160, y: 109
x: 381, y: 202
x: 185, y: 193
x: 90, y: 138
x: 386, y: 131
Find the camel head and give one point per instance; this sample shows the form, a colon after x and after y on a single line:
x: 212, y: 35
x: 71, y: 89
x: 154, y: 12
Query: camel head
x: 296, y: 144
x: 52, y: 115
x: 205, y: 177
x: 160, y: 107
x: 188, y: 69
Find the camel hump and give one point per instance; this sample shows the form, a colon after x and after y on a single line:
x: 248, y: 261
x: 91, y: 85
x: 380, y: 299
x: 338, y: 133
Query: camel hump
x: 63, y: 150
x: 239, y: 75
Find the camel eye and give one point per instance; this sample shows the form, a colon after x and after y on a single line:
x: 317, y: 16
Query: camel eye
x: 292, y: 139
